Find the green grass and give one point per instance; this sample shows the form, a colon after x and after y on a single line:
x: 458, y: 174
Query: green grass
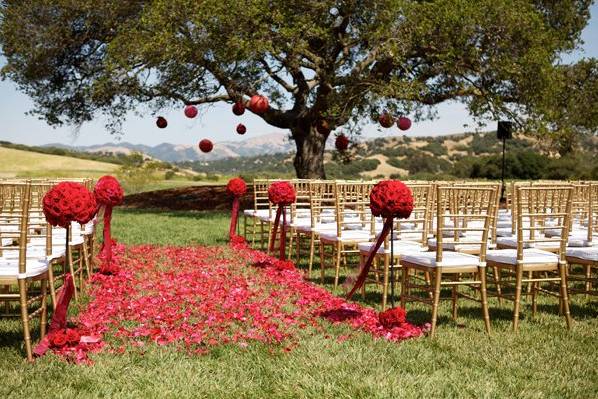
x: 542, y: 360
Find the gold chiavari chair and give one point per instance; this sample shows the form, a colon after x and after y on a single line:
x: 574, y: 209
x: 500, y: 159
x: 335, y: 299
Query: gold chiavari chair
x: 299, y: 212
x: 455, y: 200
x: 321, y: 204
x: 22, y: 271
x: 260, y: 215
x: 409, y: 235
x: 538, y: 208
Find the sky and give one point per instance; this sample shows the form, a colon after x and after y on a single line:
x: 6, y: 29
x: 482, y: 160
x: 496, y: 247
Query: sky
x: 215, y: 122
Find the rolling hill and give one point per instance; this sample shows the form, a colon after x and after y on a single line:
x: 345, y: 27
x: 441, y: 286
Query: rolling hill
x: 20, y: 163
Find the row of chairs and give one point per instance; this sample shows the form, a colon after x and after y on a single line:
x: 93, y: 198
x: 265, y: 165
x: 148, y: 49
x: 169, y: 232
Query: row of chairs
x: 457, y: 229
x: 33, y: 254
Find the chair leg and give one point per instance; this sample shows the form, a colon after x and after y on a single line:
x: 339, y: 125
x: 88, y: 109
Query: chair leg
x: 337, y: 263
x: 361, y: 263
x: 312, y: 250
x: 385, y: 282
x: 52, y: 283
x: 496, y: 276
x: 86, y: 262
x: 518, y: 278
x: 454, y: 294
x: 404, y: 280
x: 292, y: 235
x: 322, y: 263
x: 435, y: 300
x: 535, y: 287
x: 565, y: 295
x: 484, y: 294
x: 25, y: 318
x: 44, y: 312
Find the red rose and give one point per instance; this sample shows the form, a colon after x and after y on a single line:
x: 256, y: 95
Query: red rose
x: 161, y: 122
x: 67, y: 202
x: 342, y: 142
x: 258, y: 104
x: 190, y: 111
x: 206, y: 145
x: 391, y: 198
x: 58, y: 339
x: 72, y: 336
x: 281, y: 193
x: 241, y: 129
x: 236, y: 187
x: 404, y: 123
x: 108, y: 191
x: 386, y: 120
x: 239, y: 108
x: 394, y: 317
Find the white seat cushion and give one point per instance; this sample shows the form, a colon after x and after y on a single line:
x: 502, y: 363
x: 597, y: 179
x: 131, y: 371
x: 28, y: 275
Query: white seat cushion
x: 530, y: 255
x: 504, y: 232
x: 451, y: 245
x: 511, y: 242
x: 503, y: 224
x: 588, y: 253
x: 34, y: 267
x: 346, y: 235
x: 397, y: 247
x: 449, y: 259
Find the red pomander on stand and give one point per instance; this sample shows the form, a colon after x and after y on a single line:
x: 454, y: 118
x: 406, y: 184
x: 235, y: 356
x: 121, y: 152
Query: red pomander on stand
x: 389, y: 199
x: 108, y: 193
x: 280, y: 193
x: 237, y: 188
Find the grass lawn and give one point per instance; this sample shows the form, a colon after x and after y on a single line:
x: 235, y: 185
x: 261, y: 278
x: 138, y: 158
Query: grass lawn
x: 542, y: 360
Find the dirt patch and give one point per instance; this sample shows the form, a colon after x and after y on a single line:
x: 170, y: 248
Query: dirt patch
x: 196, y: 198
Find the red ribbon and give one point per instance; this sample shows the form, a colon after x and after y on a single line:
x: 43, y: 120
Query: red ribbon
x: 363, y: 273
x: 280, y: 211
x: 233, y: 218
x: 59, y: 317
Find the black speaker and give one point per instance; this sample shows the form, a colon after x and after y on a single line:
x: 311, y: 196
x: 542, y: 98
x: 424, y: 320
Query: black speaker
x: 505, y: 130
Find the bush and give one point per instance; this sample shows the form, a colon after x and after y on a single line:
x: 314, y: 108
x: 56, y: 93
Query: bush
x: 435, y: 148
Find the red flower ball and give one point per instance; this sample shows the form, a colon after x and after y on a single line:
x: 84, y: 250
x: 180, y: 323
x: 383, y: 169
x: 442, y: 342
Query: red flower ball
x: 386, y: 120
x: 258, y: 104
x: 206, y: 145
x: 391, y: 198
x: 72, y: 336
x: 58, y: 339
x: 394, y: 317
x: 68, y: 202
x: 239, y: 108
x: 190, y: 111
x: 161, y: 122
x: 241, y: 129
x: 236, y: 187
x: 404, y: 123
x: 281, y: 193
x: 342, y: 142
x: 108, y: 191
x: 323, y: 127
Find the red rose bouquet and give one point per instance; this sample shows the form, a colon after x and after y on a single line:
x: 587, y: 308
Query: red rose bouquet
x: 237, y: 188
x: 108, y: 193
x: 280, y: 193
x: 389, y: 199
x: 391, y: 318
x: 68, y: 202
x: 341, y: 143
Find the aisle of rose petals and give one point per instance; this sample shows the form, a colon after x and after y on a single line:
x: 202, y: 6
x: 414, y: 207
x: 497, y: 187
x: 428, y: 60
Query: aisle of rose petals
x: 196, y: 298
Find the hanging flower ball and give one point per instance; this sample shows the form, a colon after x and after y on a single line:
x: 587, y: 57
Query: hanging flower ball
x: 258, y: 104
x: 108, y: 191
x: 281, y: 193
x: 323, y: 127
x: 190, y: 111
x: 239, y: 108
x: 404, y: 123
x: 206, y: 145
x: 386, y: 120
x: 236, y: 187
x: 69, y: 202
x: 342, y: 142
x: 241, y: 129
x: 161, y: 122
x: 391, y: 198
x: 391, y: 318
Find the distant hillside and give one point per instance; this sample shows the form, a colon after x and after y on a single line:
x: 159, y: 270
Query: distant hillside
x: 461, y: 155
x: 273, y: 143
x: 19, y: 163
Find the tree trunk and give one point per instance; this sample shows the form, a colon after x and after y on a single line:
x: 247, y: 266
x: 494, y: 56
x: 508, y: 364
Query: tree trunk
x: 309, y: 159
